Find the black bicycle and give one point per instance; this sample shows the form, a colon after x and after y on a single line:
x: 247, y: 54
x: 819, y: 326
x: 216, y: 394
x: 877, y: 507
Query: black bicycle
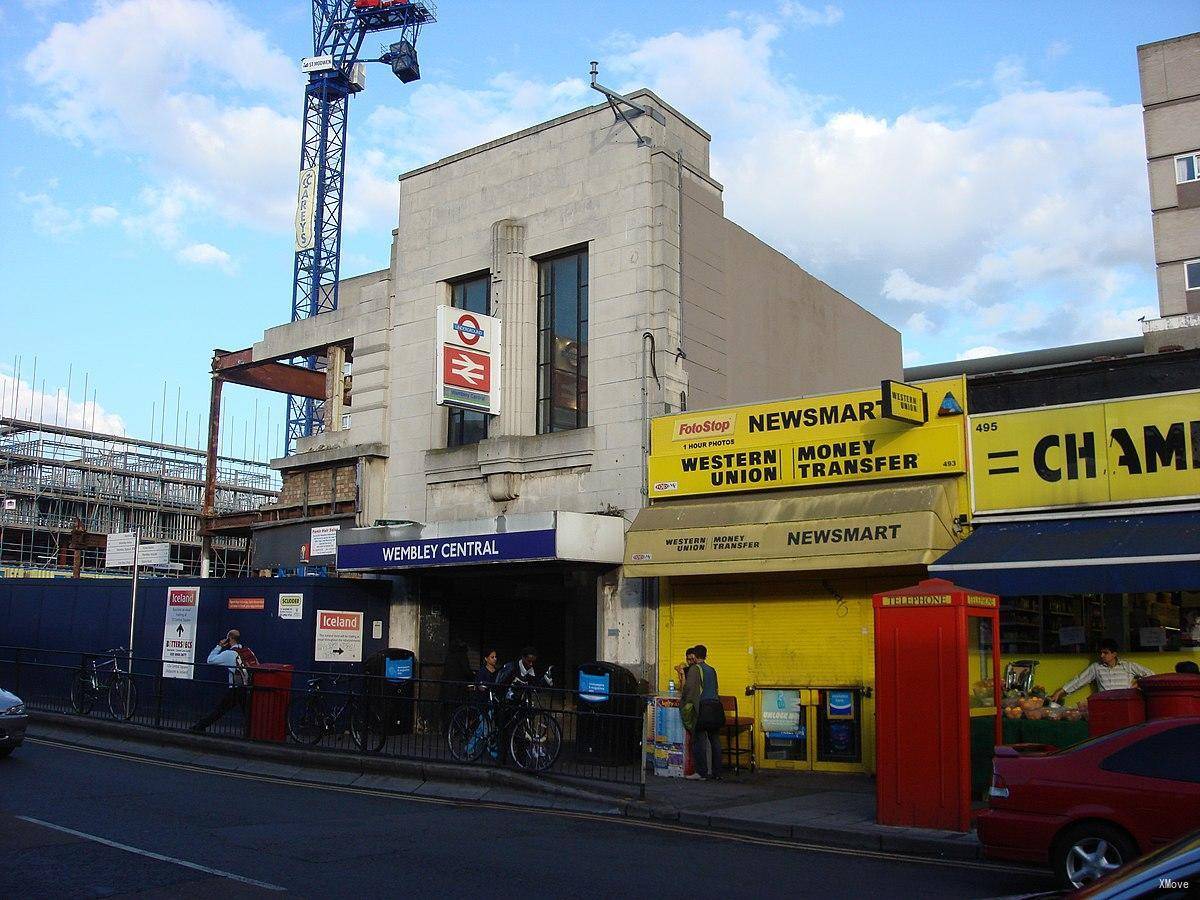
x: 516, y: 722
x: 326, y: 708
x: 97, y: 676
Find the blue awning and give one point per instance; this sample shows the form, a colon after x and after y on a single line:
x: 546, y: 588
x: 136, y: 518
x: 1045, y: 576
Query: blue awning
x: 1105, y: 554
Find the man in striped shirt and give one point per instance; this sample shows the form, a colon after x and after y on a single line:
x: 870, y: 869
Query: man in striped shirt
x: 1109, y: 674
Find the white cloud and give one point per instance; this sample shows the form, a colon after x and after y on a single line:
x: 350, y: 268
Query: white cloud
x: 805, y: 15
x: 48, y: 217
x: 103, y: 215
x: 913, y: 357
x: 1057, y: 50
x: 1032, y: 202
x: 185, y: 85
x: 206, y: 255
x: 981, y: 352
x: 20, y: 400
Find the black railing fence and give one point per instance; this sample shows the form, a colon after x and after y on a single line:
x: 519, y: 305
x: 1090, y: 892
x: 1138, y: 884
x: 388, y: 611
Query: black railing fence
x: 533, y: 728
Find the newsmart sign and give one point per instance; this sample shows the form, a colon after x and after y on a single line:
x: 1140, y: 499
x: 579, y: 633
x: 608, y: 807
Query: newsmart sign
x: 1087, y: 454
x: 830, y: 439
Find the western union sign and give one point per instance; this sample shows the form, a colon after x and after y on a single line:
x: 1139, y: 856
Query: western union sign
x: 1119, y: 451
x: 904, y: 402
x: 830, y: 439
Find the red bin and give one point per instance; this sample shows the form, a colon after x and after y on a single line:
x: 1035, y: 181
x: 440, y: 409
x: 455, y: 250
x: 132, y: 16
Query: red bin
x: 270, y: 695
x: 1114, y: 710
x: 1171, y: 695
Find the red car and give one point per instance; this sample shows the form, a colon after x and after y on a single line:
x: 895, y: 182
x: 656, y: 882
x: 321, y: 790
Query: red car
x: 1089, y: 809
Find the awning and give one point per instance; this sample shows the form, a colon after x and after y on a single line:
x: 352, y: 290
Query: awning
x: 1105, y: 554
x: 864, y: 526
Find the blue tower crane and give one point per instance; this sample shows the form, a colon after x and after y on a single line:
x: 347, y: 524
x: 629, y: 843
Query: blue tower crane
x: 334, y: 74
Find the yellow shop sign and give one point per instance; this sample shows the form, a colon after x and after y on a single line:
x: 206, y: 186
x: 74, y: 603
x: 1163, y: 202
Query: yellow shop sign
x: 831, y: 439
x: 1091, y: 454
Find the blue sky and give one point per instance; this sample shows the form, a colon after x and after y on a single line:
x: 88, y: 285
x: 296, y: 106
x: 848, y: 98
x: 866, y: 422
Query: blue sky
x: 971, y: 172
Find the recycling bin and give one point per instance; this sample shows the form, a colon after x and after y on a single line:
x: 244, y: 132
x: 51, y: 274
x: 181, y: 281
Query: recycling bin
x: 270, y: 696
x: 391, y: 692
x: 1171, y: 695
x: 1113, y: 710
x: 608, y: 720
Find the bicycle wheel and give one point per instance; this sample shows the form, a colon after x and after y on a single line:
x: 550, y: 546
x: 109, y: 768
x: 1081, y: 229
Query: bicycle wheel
x: 468, y: 733
x: 83, y: 694
x: 535, y: 741
x: 366, y: 728
x: 122, y: 697
x: 306, y: 719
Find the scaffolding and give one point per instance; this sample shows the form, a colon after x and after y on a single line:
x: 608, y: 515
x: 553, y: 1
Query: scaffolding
x: 56, y: 481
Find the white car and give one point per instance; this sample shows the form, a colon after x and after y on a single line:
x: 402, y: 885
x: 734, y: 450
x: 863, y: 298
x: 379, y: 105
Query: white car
x: 13, y: 720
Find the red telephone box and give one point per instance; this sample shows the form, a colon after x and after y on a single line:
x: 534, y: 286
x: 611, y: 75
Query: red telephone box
x: 937, y: 667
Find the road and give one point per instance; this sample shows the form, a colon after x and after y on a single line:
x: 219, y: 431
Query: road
x: 75, y: 823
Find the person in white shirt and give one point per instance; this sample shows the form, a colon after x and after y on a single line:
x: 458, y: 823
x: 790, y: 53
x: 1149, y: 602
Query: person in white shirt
x: 1109, y: 674
x: 225, y: 654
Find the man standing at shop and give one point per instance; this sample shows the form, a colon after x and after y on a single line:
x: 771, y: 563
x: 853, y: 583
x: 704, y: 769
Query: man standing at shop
x: 701, y: 689
x: 1109, y: 674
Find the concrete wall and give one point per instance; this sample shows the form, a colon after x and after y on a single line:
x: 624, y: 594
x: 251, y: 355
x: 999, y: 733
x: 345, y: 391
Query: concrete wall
x: 1170, y: 81
x: 758, y: 327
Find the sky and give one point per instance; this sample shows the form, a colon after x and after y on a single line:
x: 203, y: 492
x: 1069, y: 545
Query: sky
x: 972, y: 173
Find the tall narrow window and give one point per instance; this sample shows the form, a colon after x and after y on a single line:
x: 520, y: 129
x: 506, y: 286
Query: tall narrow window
x: 467, y: 426
x: 562, y: 342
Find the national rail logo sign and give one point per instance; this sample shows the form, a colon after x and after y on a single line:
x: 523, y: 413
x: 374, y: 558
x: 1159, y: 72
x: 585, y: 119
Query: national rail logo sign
x: 1088, y: 454
x: 830, y: 439
x: 468, y: 360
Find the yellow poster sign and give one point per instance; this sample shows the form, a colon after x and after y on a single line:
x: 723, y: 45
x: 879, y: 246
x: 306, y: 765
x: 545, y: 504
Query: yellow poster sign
x: 904, y: 402
x: 831, y: 439
x: 1118, y: 451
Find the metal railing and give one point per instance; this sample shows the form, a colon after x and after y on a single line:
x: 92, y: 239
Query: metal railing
x: 347, y: 711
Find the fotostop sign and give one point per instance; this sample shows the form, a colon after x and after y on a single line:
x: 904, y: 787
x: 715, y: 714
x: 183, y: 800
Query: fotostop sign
x: 468, y: 360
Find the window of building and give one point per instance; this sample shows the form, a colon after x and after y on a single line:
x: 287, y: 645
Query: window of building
x: 562, y: 342
x: 1167, y: 621
x: 1187, y: 168
x: 467, y: 426
x: 1191, y: 276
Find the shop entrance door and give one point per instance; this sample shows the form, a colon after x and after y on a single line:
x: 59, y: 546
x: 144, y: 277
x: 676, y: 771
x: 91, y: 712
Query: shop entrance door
x: 809, y: 729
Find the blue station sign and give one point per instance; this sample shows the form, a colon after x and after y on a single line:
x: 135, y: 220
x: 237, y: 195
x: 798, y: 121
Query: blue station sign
x: 463, y: 550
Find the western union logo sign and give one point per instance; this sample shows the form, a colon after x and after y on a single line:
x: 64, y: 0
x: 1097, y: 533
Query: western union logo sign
x: 1120, y: 451
x: 831, y: 439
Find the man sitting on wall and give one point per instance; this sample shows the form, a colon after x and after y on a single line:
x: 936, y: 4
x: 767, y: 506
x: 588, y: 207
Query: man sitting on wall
x: 1109, y: 674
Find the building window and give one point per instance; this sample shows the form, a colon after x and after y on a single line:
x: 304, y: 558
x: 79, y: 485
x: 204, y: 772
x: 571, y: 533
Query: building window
x: 1191, y: 274
x: 562, y: 342
x: 1187, y: 168
x: 467, y: 426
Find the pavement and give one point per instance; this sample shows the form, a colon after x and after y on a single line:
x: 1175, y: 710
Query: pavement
x: 815, y: 809
x: 89, y: 822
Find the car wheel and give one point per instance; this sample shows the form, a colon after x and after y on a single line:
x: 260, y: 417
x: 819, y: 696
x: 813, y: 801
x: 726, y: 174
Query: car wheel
x: 1088, y: 852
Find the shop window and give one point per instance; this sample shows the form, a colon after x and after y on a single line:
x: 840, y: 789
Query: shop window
x: 1170, y: 755
x: 1155, y: 621
x: 1166, y: 621
x: 562, y: 342
x: 1187, y: 168
x: 468, y: 426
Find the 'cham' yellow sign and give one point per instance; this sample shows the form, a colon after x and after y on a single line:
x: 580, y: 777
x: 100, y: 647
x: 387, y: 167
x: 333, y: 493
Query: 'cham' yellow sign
x: 832, y: 439
x: 1118, y: 451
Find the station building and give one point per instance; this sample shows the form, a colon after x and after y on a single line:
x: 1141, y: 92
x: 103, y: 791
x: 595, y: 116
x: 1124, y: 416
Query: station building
x: 624, y: 293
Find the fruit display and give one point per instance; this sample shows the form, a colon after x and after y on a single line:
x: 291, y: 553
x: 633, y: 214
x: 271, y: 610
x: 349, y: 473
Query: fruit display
x: 983, y: 693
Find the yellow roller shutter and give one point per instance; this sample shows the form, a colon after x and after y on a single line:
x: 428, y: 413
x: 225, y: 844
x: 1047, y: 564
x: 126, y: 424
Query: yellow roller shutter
x: 811, y: 635
x: 716, y: 615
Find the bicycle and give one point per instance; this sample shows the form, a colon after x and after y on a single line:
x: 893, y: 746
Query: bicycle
x: 534, y: 736
x: 95, y: 677
x: 320, y: 711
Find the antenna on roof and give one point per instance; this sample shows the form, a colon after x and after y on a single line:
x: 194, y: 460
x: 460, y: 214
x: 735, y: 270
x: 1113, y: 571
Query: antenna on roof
x: 615, y: 101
